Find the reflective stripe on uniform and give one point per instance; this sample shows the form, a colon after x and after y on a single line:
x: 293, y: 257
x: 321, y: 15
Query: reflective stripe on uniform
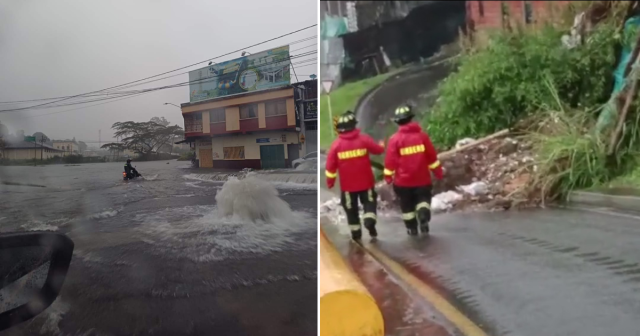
x: 388, y: 172
x: 434, y: 165
x: 370, y: 215
x: 347, y: 199
x: 412, y: 150
x: 330, y: 174
x: 352, y: 154
x: 370, y: 195
x: 354, y: 227
x: 423, y: 205
x: 408, y: 216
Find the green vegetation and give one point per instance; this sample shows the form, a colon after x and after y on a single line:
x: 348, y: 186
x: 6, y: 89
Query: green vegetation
x: 343, y: 99
x: 528, y: 81
x: 486, y: 95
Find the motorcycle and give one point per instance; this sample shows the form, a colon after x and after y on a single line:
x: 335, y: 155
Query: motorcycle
x: 134, y: 174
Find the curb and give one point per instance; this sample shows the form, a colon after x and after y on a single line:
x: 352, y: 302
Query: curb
x: 346, y: 306
x: 624, y: 201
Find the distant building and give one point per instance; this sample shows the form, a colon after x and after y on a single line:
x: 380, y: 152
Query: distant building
x: 493, y: 14
x: 68, y: 147
x: 27, y: 151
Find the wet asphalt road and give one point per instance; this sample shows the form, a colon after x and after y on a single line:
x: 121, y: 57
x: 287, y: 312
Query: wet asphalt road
x: 540, y: 272
x: 154, y: 257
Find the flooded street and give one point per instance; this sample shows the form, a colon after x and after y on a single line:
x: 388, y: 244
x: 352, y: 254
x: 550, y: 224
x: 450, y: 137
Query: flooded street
x: 158, y: 256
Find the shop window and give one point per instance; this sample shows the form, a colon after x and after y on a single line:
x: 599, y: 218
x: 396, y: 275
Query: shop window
x: 275, y: 107
x: 249, y: 111
x: 233, y: 153
x: 217, y: 115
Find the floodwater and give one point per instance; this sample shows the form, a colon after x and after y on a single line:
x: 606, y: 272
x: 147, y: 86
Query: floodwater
x: 174, y: 253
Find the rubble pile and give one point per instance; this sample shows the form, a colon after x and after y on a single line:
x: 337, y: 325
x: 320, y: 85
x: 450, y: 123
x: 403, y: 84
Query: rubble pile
x: 486, y: 174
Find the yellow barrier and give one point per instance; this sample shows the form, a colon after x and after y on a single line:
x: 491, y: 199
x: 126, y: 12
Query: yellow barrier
x: 346, y: 307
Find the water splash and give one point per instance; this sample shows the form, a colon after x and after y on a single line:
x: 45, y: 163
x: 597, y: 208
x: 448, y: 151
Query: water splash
x: 252, y: 199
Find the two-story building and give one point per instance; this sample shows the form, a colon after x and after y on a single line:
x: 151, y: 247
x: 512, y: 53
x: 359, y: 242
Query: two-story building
x: 67, y: 147
x: 242, y: 113
x: 252, y: 130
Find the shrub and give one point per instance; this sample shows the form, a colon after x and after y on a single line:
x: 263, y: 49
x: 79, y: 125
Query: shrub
x: 495, y: 87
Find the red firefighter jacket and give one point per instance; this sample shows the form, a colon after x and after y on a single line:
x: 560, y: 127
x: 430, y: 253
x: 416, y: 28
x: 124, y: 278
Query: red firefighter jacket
x: 410, y: 156
x: 349, y: 155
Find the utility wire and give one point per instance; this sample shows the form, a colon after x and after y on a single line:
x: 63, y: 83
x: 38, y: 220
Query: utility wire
x: 113, y: 100
x: 164, y: 73
x: 203, y: 80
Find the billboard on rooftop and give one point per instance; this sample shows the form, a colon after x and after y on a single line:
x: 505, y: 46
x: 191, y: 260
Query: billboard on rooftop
x: 265, y: 70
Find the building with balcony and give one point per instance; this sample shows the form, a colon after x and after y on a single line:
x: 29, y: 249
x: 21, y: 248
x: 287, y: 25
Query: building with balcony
x: 259, y: 130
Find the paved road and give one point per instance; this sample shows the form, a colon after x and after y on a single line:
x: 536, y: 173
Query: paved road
x: 539, y: 272
x: 156, y: 256
x: 410, y: 85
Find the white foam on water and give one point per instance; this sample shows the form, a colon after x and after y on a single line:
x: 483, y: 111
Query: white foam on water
x: 104, y: 214
x: 252, y: 199
x: 54, y: 315
x: 39, y: 226
x: 250, y: 218
x: 194, y: 184
x: 150, y: 178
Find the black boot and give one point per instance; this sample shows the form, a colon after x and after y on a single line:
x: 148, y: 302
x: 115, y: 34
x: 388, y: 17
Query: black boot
x: 356, y: 235
x: 412, y: 228
x: 424, y: 216
x: 371, y: 227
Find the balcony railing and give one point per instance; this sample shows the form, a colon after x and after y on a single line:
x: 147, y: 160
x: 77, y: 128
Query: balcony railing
x: 193, y: 128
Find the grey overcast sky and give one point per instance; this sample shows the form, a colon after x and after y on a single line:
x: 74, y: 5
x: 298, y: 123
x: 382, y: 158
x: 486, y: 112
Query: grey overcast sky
x: 52, y: 48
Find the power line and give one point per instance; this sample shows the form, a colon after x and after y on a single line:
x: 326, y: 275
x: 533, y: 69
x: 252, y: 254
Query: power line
x: 115, y: 99
x: 164, y: 73
x: 199, y: 81
x: 133, y: 85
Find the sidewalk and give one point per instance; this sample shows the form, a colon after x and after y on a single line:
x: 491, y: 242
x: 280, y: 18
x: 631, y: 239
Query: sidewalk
x: 621, y: 199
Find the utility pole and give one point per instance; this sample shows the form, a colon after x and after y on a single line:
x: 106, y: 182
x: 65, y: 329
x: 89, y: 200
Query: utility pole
x: 41, y: 146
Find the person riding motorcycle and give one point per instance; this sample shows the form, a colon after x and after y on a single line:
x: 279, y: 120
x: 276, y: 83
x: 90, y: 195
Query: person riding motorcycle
x: 349, y: 155
x: 130, y: 170
x: 409, y: 161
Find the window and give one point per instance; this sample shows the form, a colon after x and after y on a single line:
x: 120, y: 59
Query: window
x: 217, y: 115
x: 233, y: 153
x: 480, y: 8
x: 311, y: 155
x: 249, y: 111
x: 275, y: 107
x: 528, y: 12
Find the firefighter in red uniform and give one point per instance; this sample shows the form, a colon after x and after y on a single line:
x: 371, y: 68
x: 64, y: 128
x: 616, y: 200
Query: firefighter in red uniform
x: 409, y: 161
x: 349, y: 155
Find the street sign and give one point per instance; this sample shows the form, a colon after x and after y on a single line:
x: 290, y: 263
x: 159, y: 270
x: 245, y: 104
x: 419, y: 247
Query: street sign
x: 327, y: 84
x: 30, y: 139
x: 313, y: 76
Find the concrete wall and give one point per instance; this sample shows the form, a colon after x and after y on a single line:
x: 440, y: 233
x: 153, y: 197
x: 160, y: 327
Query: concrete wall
x: 29, y: 154
x: 488, y: 14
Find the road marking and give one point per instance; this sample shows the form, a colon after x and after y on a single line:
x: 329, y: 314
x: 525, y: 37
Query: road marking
x: 463, y: 323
